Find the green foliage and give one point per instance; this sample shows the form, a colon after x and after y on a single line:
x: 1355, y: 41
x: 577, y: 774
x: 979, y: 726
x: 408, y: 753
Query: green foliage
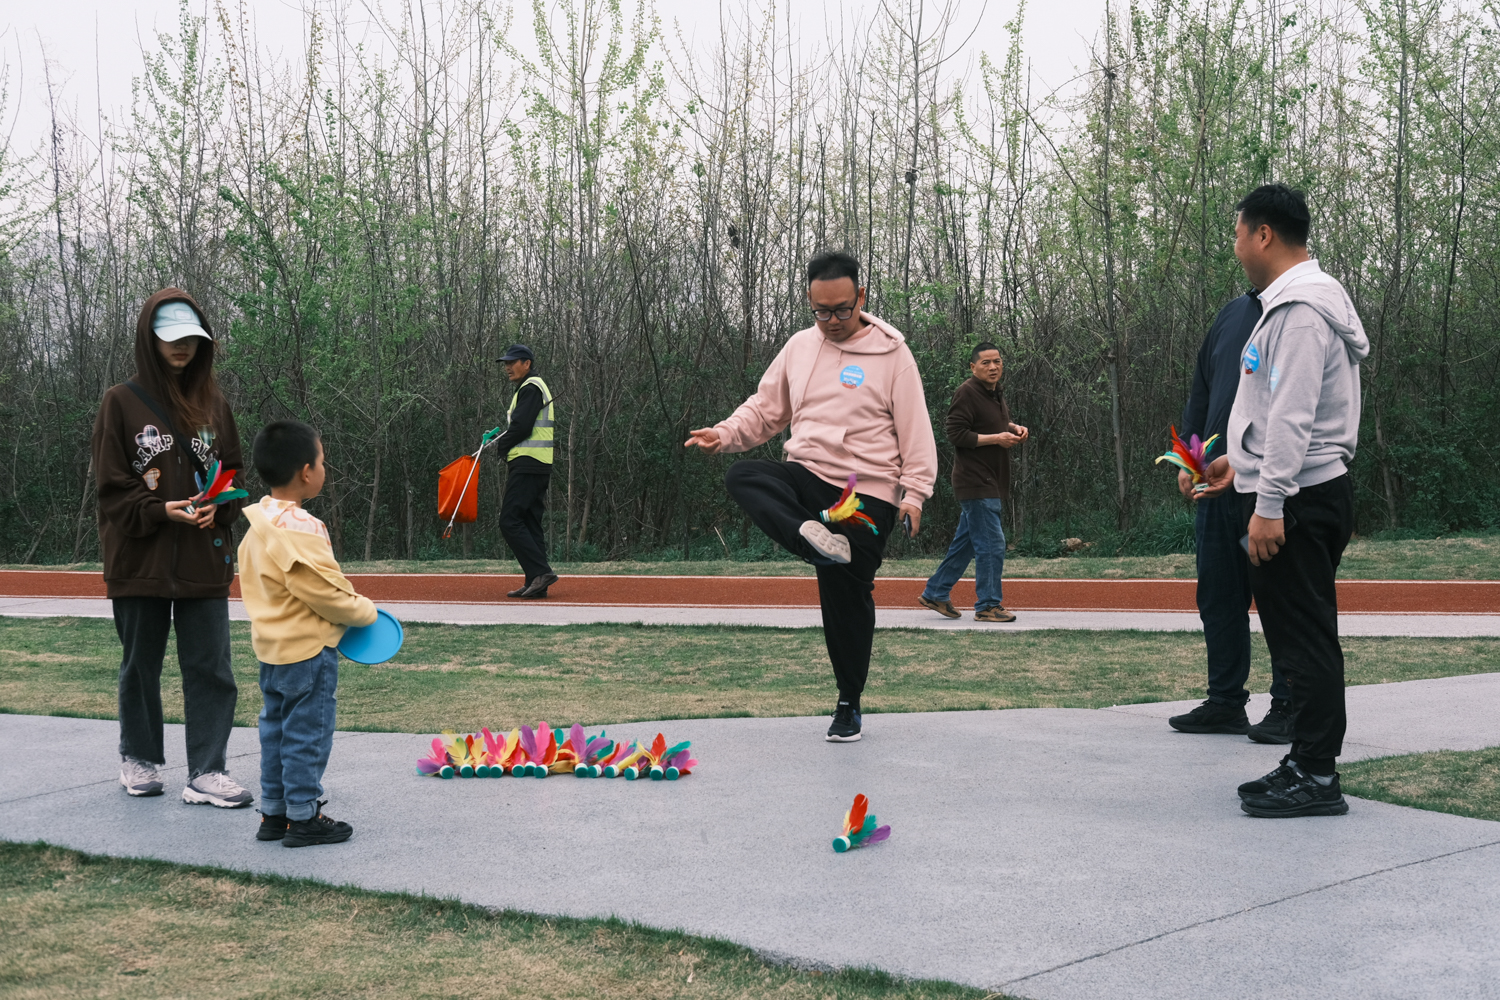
x: 370, y: 239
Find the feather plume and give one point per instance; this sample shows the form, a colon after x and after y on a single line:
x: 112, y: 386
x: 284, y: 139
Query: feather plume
x: 848, y: 507
x: 1190, y: 457
x: 854, y: 819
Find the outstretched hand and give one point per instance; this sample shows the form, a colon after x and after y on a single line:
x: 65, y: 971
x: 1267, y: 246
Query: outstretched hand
x: 706, y: 438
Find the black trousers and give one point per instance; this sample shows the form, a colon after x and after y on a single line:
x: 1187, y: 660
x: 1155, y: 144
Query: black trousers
x: 209, y: 693
x: 778, y: 497
x: 1224, y: 602
x: 521, y: 513
x: 1298, y: 605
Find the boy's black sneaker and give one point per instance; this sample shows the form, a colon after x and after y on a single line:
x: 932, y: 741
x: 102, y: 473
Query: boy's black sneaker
x: 1213, y: 717
x: 1294, y: 792
x: 271, y: 827
x: 318, y: 830
x: 1276, y: 727
x: 537, y: 588
x: 845, y: 728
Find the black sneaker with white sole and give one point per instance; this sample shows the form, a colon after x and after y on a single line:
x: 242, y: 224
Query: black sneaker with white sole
x: 1212, y: 717
x: 320, y: 829
x: 1276, y: 727
x: 1291, y: 792
x: 845, y: 727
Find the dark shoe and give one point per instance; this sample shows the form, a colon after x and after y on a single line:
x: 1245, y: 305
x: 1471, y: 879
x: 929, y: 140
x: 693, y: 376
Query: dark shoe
x: 271, y: 827
x: 1276, y: 727
x: 995, y: 614
x: 538, y: 588
x: 1294, y: 792
x: 845, y: 728
x: 519, y: 591
x: 1212, y: 717
x: 944, y: 608
x: 1266, y: 782
x: 318, y: 830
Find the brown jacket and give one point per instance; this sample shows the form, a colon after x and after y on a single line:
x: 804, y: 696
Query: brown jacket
x: 139, y: 466
x: 978, y: 472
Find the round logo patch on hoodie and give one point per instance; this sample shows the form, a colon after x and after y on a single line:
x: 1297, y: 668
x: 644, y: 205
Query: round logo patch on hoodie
x: 1251, y: 359
x: 852, y: 376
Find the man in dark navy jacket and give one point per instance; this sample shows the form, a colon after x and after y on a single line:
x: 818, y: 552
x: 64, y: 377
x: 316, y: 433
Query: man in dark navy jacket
x: 1223, y: 566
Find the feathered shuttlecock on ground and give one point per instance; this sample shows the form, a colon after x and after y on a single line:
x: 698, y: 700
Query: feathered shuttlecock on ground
x: 1191, y: 457
x: 849, y: 507
x: 859, y: 827
x: 436, y: 764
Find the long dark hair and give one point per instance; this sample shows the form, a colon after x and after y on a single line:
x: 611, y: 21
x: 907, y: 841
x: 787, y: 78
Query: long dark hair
x: 193, y: 398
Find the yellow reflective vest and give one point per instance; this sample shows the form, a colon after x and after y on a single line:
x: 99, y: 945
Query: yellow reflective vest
x: 539, y: 445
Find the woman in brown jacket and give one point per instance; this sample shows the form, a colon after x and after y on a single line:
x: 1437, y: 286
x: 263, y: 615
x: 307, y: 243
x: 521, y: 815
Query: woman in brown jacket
x: 165, y: 562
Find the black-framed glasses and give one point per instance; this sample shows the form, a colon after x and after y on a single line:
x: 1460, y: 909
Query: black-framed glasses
x: 824, y: 315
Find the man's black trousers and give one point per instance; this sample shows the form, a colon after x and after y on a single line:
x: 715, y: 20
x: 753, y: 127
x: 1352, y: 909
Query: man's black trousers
x: 521, y: 520
x: 1298, y: 605
x: 1224, y: 602
x: 778, y: 497
x: 209, y: 693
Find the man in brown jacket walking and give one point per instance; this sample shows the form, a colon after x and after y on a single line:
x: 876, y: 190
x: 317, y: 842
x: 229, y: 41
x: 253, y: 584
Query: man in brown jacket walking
x: 982, y: 433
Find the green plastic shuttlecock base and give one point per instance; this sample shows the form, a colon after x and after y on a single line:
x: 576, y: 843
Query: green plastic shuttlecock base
x: 466, y: 771
x: 446, y: 772
x: 842, y: 844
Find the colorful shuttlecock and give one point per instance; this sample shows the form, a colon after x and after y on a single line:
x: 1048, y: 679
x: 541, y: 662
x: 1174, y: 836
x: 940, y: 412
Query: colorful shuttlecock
x: 1191, y: 457
x: 848, y: 508
x: 859, y: 827
x: 436, y: 764
x: 216, y: 487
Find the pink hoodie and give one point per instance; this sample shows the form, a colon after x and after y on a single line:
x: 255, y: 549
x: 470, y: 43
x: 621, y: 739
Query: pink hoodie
x: 853, y: 407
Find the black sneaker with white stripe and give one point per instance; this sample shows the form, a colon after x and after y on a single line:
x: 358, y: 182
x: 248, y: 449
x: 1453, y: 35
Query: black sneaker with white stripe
x: 845, y: 727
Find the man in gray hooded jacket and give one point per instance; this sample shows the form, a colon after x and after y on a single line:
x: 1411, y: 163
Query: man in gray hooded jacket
x: 1292, y: 433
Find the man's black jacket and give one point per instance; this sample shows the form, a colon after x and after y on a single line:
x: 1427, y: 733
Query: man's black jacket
x: 1216, y: 377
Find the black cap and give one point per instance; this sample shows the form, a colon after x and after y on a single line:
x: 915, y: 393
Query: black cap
x: 517, y: 352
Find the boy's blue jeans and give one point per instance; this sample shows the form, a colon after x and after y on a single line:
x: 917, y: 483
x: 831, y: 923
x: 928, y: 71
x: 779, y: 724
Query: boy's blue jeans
x: 296, y: 733
x: 979, y: 538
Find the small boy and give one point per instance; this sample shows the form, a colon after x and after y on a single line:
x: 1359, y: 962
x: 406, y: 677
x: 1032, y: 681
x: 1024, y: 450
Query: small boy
x: 299, y: 603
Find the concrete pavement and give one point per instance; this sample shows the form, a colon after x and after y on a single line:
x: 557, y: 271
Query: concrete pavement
x: 1051, y: 853
x: 552, y: 612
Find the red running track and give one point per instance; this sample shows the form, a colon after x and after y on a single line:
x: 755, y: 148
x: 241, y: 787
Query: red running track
x: 1358, y: 596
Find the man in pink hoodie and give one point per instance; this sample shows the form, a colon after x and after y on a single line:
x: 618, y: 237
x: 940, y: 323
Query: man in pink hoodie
x: 849, y: 389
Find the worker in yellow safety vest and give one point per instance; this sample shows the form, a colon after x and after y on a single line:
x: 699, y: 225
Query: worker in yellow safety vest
x: 526, y: 444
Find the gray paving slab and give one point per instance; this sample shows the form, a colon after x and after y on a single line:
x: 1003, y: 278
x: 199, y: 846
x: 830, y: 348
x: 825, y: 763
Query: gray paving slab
x: 1385, y: 719
x: 1415, y: 625
x: 1052, y: 852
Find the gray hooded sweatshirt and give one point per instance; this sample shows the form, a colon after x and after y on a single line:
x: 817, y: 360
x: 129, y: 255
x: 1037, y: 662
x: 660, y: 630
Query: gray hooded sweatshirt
x: 1295, y: 421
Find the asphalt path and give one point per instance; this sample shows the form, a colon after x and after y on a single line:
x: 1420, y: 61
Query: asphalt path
x: 560, y: 613
x: 1064, y: 854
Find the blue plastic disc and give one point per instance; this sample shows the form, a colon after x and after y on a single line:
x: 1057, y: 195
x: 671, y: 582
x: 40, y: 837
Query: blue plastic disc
x: 374, y: 643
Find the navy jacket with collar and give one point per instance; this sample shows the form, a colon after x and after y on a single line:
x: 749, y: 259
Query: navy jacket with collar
x: 1216, y: 377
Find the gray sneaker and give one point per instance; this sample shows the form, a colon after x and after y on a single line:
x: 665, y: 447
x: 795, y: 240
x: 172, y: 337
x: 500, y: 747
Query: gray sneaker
x: 829, y: 545
x: 216, y: 788
x: 139, y: 777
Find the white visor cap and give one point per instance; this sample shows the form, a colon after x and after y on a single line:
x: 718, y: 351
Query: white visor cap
x: 175, y: 320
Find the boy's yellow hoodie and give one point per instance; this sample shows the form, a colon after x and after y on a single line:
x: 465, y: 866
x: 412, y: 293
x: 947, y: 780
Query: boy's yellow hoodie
x: 297, y: 597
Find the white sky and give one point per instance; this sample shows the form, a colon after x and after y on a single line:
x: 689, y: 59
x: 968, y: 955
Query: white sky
x: 93, y: 47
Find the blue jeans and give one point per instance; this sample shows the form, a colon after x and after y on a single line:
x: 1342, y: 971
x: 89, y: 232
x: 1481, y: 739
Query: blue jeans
x: 1224, y: 602
x: 979, y: 537
x: 296, y: 733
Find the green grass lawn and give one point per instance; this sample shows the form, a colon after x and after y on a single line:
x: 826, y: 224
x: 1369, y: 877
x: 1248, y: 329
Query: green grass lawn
x: 1461, y: 558
x: 82, y: 926
x: 1463, y: 782
x: 462, y: 677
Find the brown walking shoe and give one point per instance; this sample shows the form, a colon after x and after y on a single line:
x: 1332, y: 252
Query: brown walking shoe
x: 944, y: 608
x: 995, y: 614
